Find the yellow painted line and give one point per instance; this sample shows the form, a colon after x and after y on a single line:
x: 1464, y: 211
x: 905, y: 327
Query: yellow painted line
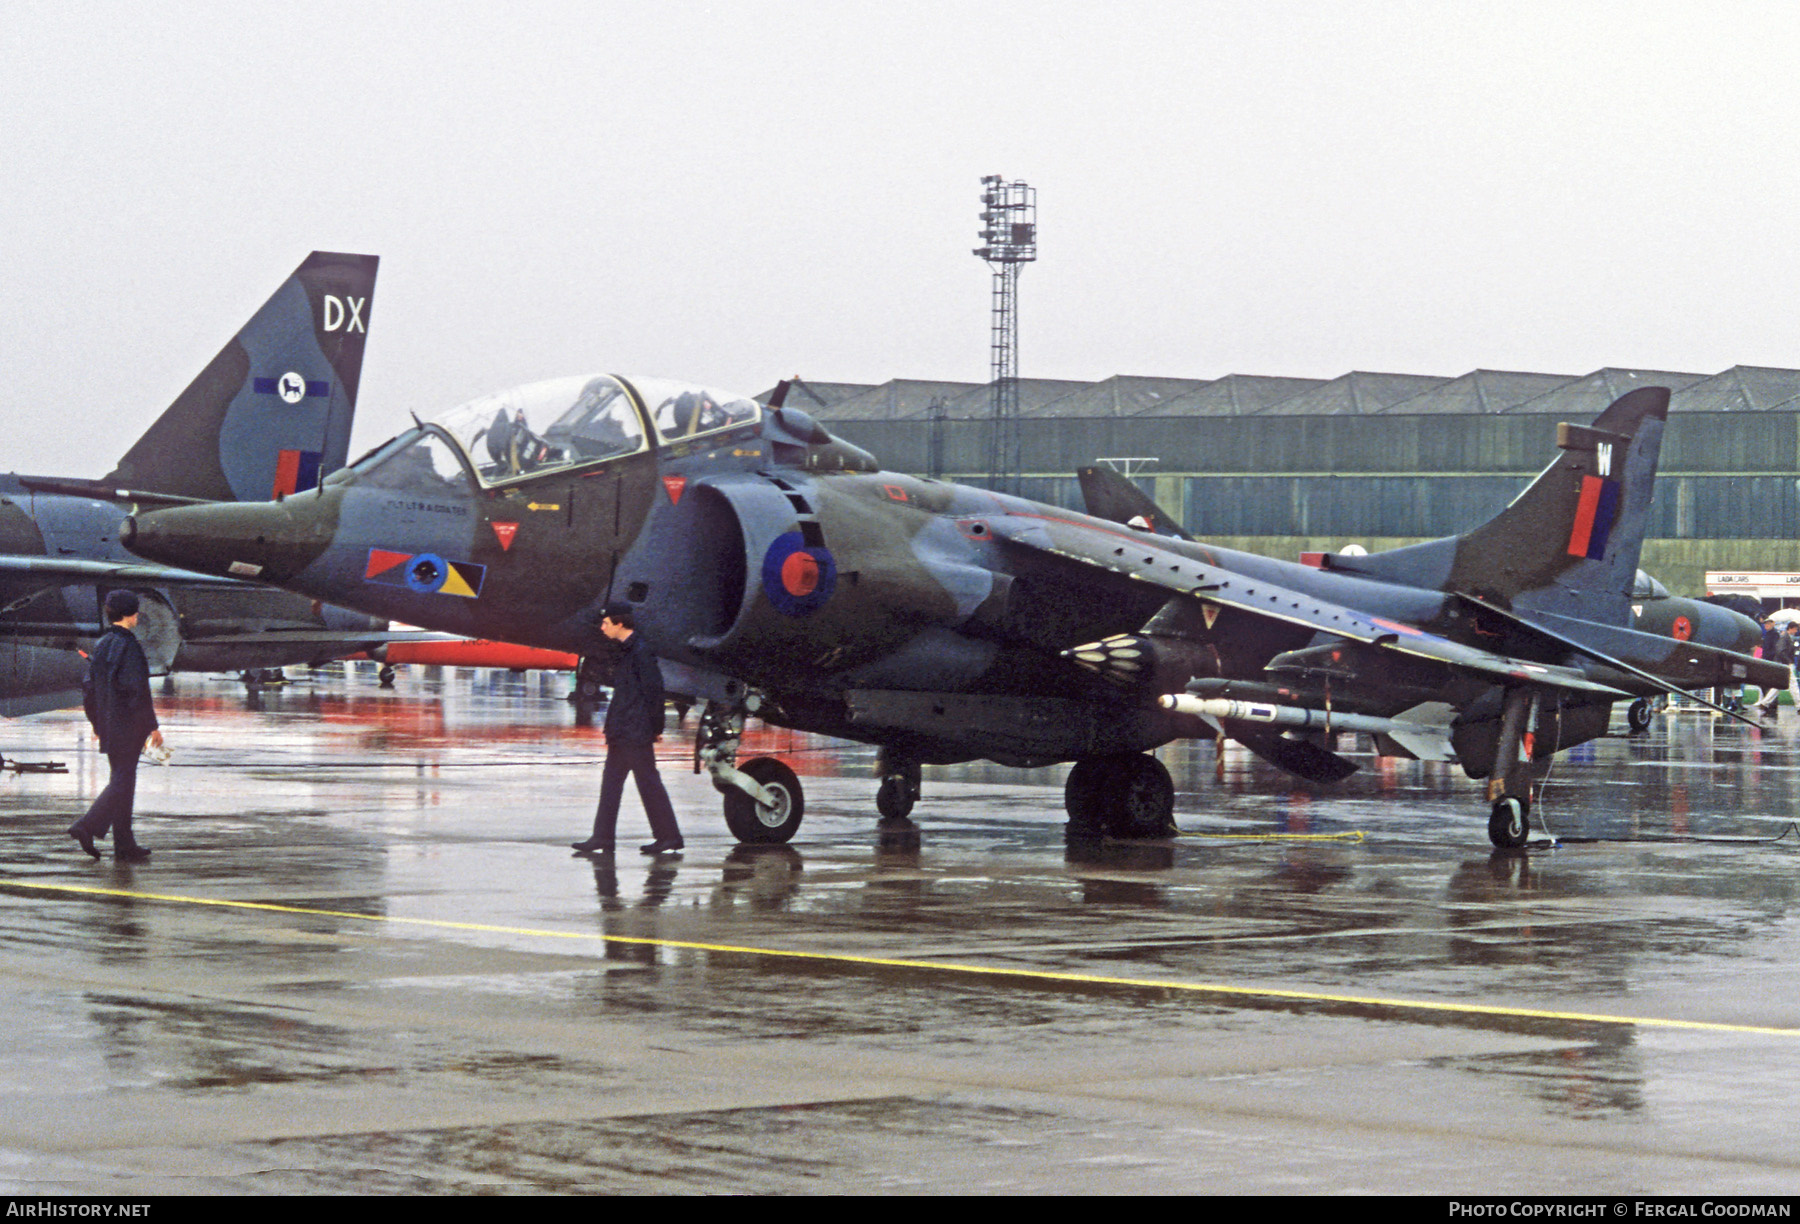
x: 890, y: 962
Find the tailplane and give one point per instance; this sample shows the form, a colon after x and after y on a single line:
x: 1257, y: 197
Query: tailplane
x: 271, y: 414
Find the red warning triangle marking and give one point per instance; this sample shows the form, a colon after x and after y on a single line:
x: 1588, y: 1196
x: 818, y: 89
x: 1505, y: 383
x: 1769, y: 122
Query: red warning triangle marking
x: 504, y: 533
x: 674, y: 484
x: 1210, y: 612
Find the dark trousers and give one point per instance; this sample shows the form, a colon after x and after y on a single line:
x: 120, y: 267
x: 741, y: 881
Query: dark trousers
x: 638, y: 760
x: 112, y: 809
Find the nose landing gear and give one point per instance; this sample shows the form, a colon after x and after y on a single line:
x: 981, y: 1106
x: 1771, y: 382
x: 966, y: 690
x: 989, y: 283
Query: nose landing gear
x: 764, y: 802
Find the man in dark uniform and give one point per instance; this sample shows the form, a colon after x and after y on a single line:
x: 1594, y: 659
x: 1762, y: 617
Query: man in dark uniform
x: 634, y: 722
x: 118, y: 704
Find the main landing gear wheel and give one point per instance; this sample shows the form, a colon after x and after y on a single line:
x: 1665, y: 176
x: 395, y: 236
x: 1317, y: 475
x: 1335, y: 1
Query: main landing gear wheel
x: 1637, y: 715
x: 750, y: 821
x: 1129, y: 795
x: 1509, y: 827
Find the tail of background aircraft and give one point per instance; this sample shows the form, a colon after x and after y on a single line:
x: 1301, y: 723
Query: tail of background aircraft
x: 271, y: 414
x: 1109, y: 495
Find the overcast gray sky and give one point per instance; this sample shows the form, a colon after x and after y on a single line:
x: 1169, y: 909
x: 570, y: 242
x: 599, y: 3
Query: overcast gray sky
x: 732, y: 193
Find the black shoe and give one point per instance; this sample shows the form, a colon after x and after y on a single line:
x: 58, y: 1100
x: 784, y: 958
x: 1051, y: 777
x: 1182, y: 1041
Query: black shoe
x: 87, y: 841
x: 590, y: 846
x: 132, y: 854
x: 662, y: 847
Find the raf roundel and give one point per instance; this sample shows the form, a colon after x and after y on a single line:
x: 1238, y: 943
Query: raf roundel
x: 798, y: 579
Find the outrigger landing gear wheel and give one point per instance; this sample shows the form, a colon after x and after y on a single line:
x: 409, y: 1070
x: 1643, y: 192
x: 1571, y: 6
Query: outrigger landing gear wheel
x: 1637, y: 715
x: 750, y: 821
x: 1509, y: 826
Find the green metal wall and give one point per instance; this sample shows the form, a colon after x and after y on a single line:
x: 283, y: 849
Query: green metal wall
x: 1726, y: 496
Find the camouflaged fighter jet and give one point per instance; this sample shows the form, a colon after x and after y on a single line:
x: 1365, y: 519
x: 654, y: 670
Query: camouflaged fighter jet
x: 778, y: 571
x: 266, y: 416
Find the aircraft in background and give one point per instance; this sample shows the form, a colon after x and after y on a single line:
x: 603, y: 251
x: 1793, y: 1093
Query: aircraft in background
x: 268, y: 416
x: 779, y: 572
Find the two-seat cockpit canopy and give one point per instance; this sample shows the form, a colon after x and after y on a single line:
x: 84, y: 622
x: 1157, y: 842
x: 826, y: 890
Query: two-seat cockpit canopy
x: 564, y: 423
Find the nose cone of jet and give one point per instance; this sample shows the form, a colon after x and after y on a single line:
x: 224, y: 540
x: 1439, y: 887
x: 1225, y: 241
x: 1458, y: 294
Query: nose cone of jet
x: 262, y: 541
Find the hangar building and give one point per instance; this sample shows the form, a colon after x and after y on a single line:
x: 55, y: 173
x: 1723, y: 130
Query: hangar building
x: 1281, y: 466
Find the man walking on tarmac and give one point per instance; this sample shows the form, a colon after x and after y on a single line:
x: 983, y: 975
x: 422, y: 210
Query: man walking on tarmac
x: 634, y: 722
x: 1787, y: 650
x: 117, y: 697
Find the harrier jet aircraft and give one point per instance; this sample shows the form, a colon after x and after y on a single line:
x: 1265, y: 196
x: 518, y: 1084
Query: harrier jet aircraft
x: 266, y: 417
x: 779, y: 571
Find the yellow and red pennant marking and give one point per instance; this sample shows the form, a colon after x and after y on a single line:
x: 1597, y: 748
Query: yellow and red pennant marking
x: 424, y: 573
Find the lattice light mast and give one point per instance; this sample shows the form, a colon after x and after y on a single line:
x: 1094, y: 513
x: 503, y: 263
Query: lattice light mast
x: 1008, y: 240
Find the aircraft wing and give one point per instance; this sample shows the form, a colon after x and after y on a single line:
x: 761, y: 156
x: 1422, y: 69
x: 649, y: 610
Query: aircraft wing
x: 1141, y: 558
x: 71, y: 570
x: 348, y: 637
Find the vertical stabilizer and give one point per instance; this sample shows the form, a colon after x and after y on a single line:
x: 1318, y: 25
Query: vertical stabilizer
x: 271, y: 414
x: 1569, y: 543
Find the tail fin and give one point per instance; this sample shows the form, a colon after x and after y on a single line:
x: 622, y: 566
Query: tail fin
x: 1569, y: 543
x: 1110, y: 496
x: 271, y: 414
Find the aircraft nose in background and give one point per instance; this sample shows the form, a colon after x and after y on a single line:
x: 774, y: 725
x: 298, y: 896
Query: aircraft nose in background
x: 263, y: 541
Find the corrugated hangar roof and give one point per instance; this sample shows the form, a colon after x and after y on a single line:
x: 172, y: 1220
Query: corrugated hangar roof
x: 1740, y: 389
x: 1034, y: 393
x: 1235, y: 395
x: 1574, y: 397
x: 1482, y: 391
x: 1120, y: 395
x: 1589, y: 396
x: 1356, y: 393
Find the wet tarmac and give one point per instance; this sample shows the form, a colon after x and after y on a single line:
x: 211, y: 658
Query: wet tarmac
x: 362, y: 959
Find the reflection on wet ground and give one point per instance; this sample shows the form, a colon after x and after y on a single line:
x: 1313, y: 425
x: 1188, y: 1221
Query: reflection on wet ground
x: 362, y: 959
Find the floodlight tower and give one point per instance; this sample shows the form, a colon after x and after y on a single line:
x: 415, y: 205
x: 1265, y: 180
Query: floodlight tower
x: 1008, y: 241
